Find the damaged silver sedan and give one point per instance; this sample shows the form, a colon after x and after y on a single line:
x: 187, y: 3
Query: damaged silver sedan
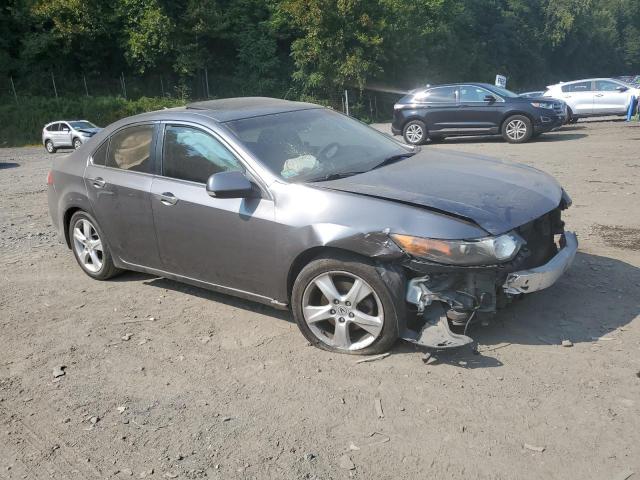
x: 365, y: 239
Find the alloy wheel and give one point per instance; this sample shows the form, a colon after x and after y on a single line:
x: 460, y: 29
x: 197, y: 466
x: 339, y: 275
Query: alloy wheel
x: 77, y: 144
x: 516, y: 129
x: 414, y: 133
x: 342, y: 310
x: 88, y: 245
x: 49, y: 147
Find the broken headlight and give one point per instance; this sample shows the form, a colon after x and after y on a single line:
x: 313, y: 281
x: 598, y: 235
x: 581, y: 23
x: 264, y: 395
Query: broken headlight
x: 483, y: 251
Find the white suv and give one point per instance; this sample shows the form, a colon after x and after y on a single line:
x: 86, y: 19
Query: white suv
x: 593, y: 97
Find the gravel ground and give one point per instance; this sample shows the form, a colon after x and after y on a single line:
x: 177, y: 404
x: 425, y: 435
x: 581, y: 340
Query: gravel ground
x: 163, y: 380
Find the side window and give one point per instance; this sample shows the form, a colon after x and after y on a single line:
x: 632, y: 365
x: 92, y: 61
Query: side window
x: 438, y: 95
x: 577, y: 87
x: 64, y: 127
x: 191, y: 154
x: 469, y: 93
x: 99, y: 157
x: 54, y: 128
x: 606, y: 86
x: 130, y: 149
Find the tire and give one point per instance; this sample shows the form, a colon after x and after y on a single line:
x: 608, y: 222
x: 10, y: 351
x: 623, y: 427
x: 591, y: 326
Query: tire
x: 77, y: 143
x: 415, y: 132
x: 517, y: 129
x: 102, y: 268
x: 380, y: 304
x: 569, y: 116
x: 48, y: 145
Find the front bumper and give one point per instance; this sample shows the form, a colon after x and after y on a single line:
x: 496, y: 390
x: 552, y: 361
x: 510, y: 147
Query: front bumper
x: 539, y: 278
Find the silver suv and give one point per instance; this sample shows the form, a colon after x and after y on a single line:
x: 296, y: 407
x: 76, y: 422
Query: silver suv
x: 593, y: 97
x: 65, y: 133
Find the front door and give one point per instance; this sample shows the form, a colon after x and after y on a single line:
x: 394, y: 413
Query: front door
x: 118, y: 179
x: 64, y: 135
x: 608, y: 99
x: 438, y: 106
x: 477, y: 114
x: 223, y: 242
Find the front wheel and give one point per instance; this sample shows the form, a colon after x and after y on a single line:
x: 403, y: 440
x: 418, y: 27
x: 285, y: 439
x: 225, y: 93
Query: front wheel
x: 517, y: 129
x: 77, y: 143
x: 342, y: 304
x: 415, y: 132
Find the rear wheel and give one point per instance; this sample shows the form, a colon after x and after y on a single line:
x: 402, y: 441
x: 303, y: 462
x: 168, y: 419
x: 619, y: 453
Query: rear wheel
x: 415, y: 132
x: 517, y: 129
x: 48, y: 145
x: 341, y: 304
x: 90, y: 248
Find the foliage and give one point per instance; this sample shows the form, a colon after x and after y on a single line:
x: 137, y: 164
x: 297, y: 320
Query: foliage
x: 22, y: 124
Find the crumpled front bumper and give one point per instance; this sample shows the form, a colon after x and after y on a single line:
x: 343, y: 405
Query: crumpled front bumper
x: 539, y: 278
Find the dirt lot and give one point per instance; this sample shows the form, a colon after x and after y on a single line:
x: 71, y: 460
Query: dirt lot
x: 216, y: 387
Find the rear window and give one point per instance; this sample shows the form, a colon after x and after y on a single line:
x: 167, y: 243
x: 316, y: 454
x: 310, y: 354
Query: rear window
x: 577, y: 87
x: 53, y: 128
x: 130, y: 149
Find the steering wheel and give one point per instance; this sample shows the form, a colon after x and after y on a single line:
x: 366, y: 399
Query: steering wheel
x: 329, y: 151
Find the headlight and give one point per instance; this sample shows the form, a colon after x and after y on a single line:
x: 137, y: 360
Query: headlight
x: 484, y: 251
x: 542, y: 105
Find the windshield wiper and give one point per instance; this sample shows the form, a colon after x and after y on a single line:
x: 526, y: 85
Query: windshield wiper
x: 335, y: 176
x: 393, y: 159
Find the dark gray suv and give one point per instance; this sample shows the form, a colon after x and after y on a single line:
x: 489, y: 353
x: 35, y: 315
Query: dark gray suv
x: 290, y: 204
x: 463, y: 109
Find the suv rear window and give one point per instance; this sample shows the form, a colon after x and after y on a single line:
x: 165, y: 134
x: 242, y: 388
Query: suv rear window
x: 577, y: 87
x: 99, y: 157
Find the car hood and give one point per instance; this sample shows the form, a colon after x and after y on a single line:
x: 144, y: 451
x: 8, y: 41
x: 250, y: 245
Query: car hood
x: 91, y: 131
x: 496, y: 195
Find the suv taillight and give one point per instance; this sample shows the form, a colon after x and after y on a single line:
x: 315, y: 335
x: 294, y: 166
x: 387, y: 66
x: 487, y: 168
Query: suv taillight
x: 50, y: 178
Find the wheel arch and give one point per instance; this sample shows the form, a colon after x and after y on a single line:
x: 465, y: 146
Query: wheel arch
x: 508, y: 115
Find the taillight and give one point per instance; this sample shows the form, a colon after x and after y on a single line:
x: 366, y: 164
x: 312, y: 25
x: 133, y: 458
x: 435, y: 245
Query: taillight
x: 50, y: 178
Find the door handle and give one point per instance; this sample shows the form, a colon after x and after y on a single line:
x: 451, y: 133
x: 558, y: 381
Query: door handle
x: 168, y: 198
x: 98, y: 182
x: 599, y: 94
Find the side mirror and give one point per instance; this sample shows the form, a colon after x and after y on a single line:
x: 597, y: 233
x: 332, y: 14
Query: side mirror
x: 489, y: 98
x: 622, y: 88
x: 231, y: 185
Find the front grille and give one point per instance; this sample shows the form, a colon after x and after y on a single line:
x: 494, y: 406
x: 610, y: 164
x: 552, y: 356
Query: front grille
x: 539, y: 235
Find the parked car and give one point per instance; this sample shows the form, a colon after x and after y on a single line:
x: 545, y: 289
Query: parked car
x: 593, y: 97
x: 300, y: 207
x: 536, y: 94
x: 67, y: 133
x: 473, y: 109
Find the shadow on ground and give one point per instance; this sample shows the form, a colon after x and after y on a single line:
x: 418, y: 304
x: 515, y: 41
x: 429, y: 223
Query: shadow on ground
x: 595, y: 297
x: 545, y: 137
x: 5, y: 165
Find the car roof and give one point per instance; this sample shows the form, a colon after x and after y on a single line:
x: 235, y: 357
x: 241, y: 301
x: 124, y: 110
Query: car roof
x: 474, y: 84
x: 585, y: 80
x: 228, y: 109
x: 64, y: 121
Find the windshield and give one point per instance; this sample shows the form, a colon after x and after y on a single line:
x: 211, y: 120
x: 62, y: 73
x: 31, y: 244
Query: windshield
x: 82, y: 124
x: 315, y: 144
x: 503, y: 92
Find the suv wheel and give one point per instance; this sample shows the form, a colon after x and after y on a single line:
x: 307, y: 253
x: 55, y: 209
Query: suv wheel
x: 90, y: 248
x: 517, y: 129
x: 415, y: 132
x: 342, y: 304
x: 48, y: 145
x: 77, y: 143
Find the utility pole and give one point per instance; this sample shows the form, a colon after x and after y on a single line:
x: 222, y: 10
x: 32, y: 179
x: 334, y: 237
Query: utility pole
x: 84, y: 79
x: 53, y: 80
x: 206, y: 81
x: 13, y: 87
x: 124, y: 86
x: 346, y: 101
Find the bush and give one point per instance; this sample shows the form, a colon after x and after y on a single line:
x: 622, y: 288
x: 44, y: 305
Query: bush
x: 22, y: 124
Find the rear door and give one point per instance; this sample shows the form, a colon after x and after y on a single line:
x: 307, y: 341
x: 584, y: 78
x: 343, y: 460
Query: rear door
x: 478, y: 115
x: 118, y: 179
x: 226, y: 242
x: 608, y: 99
x: 439, y: 107
x: 579, y: 96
